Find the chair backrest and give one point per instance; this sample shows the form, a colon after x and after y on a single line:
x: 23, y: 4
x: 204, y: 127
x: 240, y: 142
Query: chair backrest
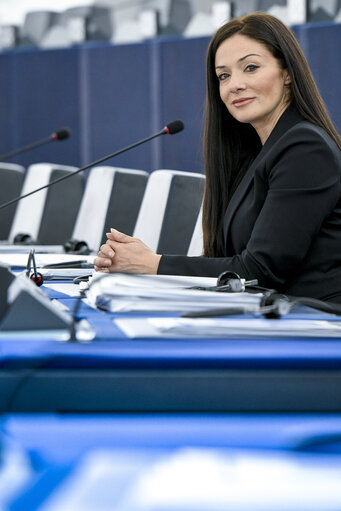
x: 112, y: 198
x: 98, y: 17
x: 196, y: 247
x: 11, y: 178
x: 36, y: 25
x: 169, y: 210
x: 48, y: 216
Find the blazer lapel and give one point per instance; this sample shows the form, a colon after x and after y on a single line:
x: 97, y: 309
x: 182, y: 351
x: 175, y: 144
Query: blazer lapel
x: 239, y: 194
x: 288, y: 119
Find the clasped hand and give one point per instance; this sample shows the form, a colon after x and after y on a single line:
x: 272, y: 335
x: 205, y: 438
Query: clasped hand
x: 125, y: 254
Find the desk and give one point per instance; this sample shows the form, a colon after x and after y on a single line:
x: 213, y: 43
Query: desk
x: 115, y: 374
x: 92, y: 462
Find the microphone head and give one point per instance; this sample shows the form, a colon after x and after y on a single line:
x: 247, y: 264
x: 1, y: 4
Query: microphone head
x: 173, y: 127
x: 61, y: 134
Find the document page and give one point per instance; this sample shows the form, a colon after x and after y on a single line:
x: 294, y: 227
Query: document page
x: 19, y: 260
x: 222, y: 327
x: 200, y: 479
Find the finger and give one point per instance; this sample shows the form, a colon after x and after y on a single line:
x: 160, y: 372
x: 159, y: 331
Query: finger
x: 101, y: 270
x: 102, y: 254
x: 102, y: 262
x: 119, y: 236
x: 106, y: 250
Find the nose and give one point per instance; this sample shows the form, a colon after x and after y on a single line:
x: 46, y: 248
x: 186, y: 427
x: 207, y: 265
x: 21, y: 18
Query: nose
x: 236, y: 83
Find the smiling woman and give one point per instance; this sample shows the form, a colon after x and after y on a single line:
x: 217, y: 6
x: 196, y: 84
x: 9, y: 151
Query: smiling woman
x: 252, y: 84
x: 272, y: 204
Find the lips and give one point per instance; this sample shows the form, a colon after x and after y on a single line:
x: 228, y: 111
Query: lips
x: 242, y: 101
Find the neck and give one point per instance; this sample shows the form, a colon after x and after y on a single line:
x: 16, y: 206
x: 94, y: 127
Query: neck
x: 265, y: 128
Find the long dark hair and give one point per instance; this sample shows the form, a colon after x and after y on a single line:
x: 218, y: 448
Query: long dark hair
x: 230, y: 146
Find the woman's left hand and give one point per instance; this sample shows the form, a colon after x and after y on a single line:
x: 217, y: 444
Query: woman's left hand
x: 122, y: 253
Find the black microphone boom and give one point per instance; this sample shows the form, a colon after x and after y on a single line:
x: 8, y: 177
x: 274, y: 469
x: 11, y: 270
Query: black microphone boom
x: 170, y: 129
x: 61, y: 134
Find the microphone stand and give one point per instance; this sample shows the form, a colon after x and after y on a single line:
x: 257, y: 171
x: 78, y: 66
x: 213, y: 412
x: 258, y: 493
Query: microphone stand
x: 164, y: 131
x: 58, y: 135
x: 4, y: 157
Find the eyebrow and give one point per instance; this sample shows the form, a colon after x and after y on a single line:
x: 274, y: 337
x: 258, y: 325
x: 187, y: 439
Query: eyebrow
x: 241, y: 59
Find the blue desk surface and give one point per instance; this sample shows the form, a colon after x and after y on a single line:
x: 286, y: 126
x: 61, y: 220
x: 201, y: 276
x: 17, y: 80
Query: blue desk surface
x: 59, y: 452
x: 58, y: 438
x: 114, y: 373
x: 112, y: 349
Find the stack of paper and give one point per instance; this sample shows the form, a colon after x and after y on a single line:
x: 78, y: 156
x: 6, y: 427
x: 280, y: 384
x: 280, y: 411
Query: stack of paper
x: 162, y: 293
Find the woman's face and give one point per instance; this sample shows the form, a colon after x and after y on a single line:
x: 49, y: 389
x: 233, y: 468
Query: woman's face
x: 252, y: 85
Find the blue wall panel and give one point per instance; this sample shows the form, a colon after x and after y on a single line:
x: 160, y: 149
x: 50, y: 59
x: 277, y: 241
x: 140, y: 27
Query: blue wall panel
x: 111, y: 96
x: 116, y: 105
x: 182, y: 64
x: 7, y: 126
x: 321, y: 44
x: 42, y: 99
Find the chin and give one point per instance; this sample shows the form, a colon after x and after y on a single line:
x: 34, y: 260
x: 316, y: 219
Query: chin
x: 245, y: 119
x: 244, y: 116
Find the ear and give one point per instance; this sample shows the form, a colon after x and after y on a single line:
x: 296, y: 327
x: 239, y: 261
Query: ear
x: 287, y: 79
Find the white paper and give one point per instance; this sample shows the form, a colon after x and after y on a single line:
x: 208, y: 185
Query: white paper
x: 19, y: 249
x: 199, y: 479
x: 19, y: 260
x: 222, y: 327
x: 64, y: 273
x: 71, y: 289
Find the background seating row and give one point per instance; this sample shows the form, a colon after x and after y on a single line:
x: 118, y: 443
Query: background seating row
x: 161, y: 208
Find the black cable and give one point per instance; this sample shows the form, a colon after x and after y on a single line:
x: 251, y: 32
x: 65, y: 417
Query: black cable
x: 74, y: 319
x: 314, y: 303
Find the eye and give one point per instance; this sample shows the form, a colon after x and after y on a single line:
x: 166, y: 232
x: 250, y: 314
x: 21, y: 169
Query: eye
x: 223, y: 76
x: 251, y: 67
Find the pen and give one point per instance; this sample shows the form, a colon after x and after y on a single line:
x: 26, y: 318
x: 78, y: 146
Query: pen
x: 231, y: 311
x: 70, y: 264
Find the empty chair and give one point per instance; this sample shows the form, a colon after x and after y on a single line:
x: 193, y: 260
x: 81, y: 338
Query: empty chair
x: 180, y: 13
x: 112, y: 198
x: 169, y: 210
x: 196, y: 247
x: 323, y: 10
x: 36, y: 26
x: 97, y: 21
x: 11, y: 179
x: 48, y: 217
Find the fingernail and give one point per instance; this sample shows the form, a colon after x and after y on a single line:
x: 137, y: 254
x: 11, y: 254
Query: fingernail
x: 111, y: 254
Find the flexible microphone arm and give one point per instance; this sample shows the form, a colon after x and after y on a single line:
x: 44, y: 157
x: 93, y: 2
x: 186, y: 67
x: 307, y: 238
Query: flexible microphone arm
x: 61, y: 134
x: 170, y: 129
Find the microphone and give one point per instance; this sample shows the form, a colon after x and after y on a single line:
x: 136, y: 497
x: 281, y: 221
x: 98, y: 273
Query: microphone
x: 173, y: 127
x: 170, y: 129
x: 61, y: 134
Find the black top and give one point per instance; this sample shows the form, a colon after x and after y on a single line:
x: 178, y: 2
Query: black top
x: 283, y: 223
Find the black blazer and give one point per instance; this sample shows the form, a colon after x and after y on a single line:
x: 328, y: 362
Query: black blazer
x: 283, y: 223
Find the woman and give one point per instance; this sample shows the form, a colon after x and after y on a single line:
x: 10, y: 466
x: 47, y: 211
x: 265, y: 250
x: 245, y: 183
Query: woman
x: 272, y: 204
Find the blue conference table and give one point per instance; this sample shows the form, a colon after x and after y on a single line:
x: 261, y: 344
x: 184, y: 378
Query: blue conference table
x: 169, y: 424
x: 117, y: 374
x: 173, y: 462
